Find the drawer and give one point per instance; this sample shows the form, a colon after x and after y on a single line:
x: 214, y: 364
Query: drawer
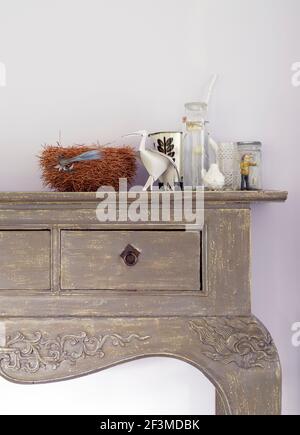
x: 165, y: 260
x: 25, y: 260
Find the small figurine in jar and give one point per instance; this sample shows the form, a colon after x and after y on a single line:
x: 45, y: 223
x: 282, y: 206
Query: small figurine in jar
x: 246, y: 164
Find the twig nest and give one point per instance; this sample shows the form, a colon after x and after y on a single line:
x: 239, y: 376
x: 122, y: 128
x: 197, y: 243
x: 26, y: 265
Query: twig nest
x: 87, y: 176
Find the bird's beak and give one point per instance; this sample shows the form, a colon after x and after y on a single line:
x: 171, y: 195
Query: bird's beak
x: 136, y: 133
x: 132, y: 135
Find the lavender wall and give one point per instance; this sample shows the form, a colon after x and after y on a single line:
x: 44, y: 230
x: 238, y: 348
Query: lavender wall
x: 97, y: 69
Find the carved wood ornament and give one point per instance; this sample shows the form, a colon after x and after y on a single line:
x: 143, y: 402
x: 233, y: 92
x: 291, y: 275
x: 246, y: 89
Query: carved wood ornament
x: 238, y: 341
x: 35, y: 351
x: 78, y: 295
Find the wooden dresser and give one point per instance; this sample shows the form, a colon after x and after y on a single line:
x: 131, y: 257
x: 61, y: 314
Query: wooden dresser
x: 78, y: 295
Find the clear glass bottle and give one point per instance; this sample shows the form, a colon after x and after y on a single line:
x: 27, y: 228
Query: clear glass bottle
x: 194, y: 144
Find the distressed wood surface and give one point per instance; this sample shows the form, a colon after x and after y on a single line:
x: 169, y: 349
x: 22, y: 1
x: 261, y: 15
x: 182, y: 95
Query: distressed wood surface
x: 25, y: 260
x: 225, y: 270
x: 169, y: 260
x: 69, y: 306
x: 57, y: 197
x: 228, y: 259
x: 243, y: 365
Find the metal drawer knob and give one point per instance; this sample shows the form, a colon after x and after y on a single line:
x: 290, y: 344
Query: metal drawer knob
x: 130, y: 255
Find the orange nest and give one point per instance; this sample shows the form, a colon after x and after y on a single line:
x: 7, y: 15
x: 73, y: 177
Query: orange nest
x: 87, y: 176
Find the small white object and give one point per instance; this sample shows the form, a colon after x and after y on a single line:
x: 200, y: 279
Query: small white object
x: 159, y: 166
x: 213, y: 178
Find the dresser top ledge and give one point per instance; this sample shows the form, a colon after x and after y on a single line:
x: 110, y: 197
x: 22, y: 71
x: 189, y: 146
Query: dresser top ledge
x: 79, y: 197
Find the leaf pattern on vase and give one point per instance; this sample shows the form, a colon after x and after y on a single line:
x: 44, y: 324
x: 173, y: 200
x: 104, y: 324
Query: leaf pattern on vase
x: 166, y: 147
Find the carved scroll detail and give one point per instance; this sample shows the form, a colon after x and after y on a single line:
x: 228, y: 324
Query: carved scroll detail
x: 35, y: 351
x: 240, y: 341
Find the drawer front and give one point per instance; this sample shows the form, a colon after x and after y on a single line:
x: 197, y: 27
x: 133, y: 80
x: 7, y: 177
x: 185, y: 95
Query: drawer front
x: 165, y: 260
x: 25, y: 260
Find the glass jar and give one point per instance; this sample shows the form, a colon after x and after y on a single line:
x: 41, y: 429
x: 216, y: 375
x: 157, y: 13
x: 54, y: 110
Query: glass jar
x: 250, y: 155
x: 194, y: 144
x: 229, y: 164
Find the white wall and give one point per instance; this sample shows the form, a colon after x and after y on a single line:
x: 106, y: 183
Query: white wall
x: 96, y: 69
x: 149, y: 386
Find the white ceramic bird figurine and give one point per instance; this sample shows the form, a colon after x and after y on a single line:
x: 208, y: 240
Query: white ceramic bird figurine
x: 213, y: 178
x: 159, y: 166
